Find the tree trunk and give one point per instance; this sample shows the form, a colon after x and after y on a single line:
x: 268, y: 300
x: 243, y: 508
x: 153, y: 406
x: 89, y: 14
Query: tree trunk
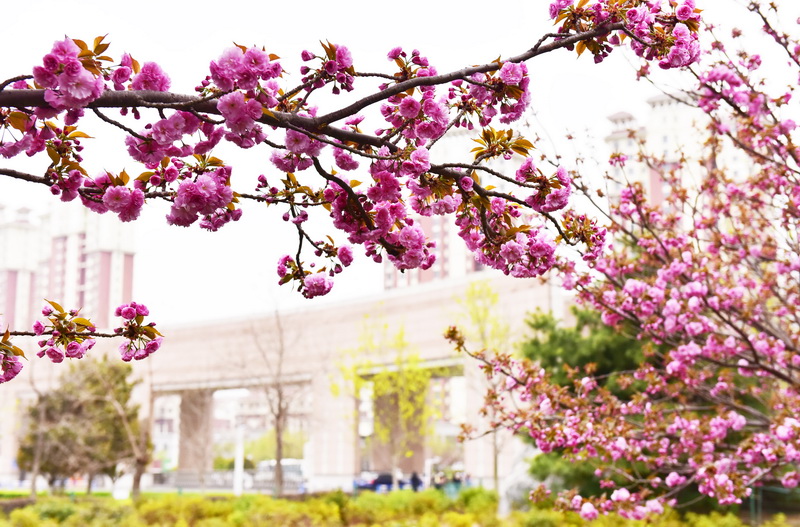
x: 34, y: 475
x: 495, y: 455
x: 37, y: 455
x: 279, y: 431
x: 89, y: 478
x: 138, y: 472
x: 395, y: 463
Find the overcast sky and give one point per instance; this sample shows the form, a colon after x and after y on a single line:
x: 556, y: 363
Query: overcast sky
x: 181, y: 270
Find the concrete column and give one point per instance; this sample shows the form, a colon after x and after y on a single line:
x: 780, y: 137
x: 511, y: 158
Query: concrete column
x: 386, y: 408
x: 196, y: 452
x: 478, y: 453
x: 332, y: 438
x: 14, y: 409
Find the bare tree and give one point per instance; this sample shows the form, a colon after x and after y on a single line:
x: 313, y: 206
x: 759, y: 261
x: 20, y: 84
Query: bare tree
x: 482, y: 324
x: 283, y: 391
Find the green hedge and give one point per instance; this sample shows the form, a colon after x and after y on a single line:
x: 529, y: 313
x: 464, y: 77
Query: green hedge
x: 430, y: 508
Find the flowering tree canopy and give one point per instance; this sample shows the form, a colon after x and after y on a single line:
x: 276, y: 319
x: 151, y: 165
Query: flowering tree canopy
x: 708, y: 280
x: 244, y: 99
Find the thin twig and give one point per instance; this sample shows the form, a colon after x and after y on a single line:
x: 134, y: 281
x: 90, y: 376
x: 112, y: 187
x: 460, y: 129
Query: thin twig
x: 119, y: 125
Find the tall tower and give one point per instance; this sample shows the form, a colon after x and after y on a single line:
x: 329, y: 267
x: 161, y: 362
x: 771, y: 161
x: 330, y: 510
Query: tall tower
x: 90, y: 263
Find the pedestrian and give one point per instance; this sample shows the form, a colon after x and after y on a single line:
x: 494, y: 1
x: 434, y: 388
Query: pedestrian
x: 416, y: 482
x: 438, y: 480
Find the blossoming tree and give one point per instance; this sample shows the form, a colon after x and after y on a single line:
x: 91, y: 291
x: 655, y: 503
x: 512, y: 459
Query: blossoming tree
x: 709, y: 280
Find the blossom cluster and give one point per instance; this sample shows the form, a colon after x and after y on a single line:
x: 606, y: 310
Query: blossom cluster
x: 67, y: 82
x: 385, y: 222
x: 142, y: 339
x: 10, y: 365
x: 206, y: 195
x: 336, y: 66
x: 552, y: 194
x: 663, y: 31
x: 65, y: 333
x: 299, y: 153
x: 247, y: 77
x: 72, y: 76
x: 418, y: 117
x: 506, y: 93
x: 245, y: 69
x: 682, y: 45
x: 311, y: 284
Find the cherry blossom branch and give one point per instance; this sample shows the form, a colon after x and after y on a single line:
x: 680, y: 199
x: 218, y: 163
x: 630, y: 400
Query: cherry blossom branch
x: 15, y: 174
x: 463, y: 73
x: 12, y: 80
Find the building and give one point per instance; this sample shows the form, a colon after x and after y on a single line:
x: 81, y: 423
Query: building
x: 672, y: 132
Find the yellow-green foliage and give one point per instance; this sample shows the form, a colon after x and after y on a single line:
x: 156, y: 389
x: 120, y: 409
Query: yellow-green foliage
x: 172, y: 510
x: 369, y: 508
x: 430, y: 508
x: 399, y: 389
x: 27, y: 518
x: 268, y: 511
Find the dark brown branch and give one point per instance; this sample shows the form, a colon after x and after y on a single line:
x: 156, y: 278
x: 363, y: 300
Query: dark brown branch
x: 24, y: 177
x: 82, y: 335
x: 12, y: 80
x: 464, y: 73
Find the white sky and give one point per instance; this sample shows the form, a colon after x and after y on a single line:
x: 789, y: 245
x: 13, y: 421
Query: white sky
x: 232, y: 272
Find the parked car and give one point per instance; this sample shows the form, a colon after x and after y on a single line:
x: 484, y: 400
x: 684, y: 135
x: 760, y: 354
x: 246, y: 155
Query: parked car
x: 294, y: 480
x: 378, y: 482
x: 293, y: 469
